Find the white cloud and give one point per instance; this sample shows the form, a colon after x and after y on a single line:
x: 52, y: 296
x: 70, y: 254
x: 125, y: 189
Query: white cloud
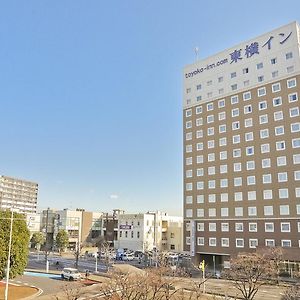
x: 113, y: 196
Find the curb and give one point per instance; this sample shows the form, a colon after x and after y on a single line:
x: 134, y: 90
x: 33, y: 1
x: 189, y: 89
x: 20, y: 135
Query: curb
x: 38, y: 293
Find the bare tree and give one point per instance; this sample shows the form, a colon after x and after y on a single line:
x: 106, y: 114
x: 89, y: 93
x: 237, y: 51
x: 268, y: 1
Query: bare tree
x: 292, y: 293
x: 248, y: 272
x: 69, y: 293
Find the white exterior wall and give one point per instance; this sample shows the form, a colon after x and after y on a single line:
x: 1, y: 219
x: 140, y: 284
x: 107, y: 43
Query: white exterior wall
x: 33, y: 222
x: 191, y: 80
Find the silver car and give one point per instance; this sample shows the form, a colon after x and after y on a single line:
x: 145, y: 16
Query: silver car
x: 70, y: 274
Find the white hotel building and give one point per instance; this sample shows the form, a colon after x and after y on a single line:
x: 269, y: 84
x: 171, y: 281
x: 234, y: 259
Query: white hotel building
x: 242, y: 148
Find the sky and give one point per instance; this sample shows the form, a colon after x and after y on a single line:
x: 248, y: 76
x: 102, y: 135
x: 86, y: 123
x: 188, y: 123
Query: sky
x: 91, y: 93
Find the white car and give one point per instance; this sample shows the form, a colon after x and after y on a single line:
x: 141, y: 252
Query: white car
x: 128, y: 257
x: 70, y: 274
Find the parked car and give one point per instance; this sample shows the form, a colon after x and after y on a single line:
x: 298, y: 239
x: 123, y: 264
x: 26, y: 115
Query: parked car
x: 128, y: 257
x: 70, y: 274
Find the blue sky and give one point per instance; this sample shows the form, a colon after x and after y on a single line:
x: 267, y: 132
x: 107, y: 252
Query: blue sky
x: 91, y: 93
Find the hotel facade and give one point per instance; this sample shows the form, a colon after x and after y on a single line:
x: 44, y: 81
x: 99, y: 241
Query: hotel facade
x: 242, y: 149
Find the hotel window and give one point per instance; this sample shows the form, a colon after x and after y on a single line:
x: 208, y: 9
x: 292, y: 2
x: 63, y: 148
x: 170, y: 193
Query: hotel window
x: 235, y: 112
x: 188, y: 101
x: 188, y: 113
x: 222, y: 128
x: 252, y: 227
x: 209, y: 82
x: 293, y: 97
x: 245, y: 70
x: 188, y: 90
x: 280, y: 145
x: 284, y: 210
x: 274, y: 74
x: 212, y: 242
x: 199, y: 98
x: 212, y: 227
x: 260, y: 78
x: 225, y: 242
x: 276, y: 87
x: 211, y: 184
x: 199, y: 87
x: 261, y: 92
x: 199, y: 146
x: 235, y: 125
x: 294, y: 112
x: 237, y: 167
x: 278, y: 115
x: 295, y: 127
x: 236, y: 152
x: 188, y: 136
x: 224, y: 183
x: 223, y: 141
x: 297, y: 192
x: 274, y: 60
x: 212, y: 198
x: 290, y: 69
x: 200, y: 198
x: 211, y: 131
x: 210, y: 119
x: 200, y: 226
x: 250, y: 150
x: 282, y: 177
x: 247, y: 109
x: 234, y: 87
x: 267, y: 178
x: 246, y: 82
x: 238, y: 196
x: 211, y: 212
x: 200, y: 241
x: 239, y: 243
x: 259, y: 66
x: 189, y: 213
x: 289, y: 55
x: 189, y: 173
x: 200, y: 185
x: 221, y: 103
x: 247, y: 96
x: 188, y: 124
x: 210, y: 106
x: 237, y: 181
x: 188, y: 240
x: 224, y: 212
x: 200, y: 172
x: 262, y: 105
x: 298, y: 211
x: 198, y: 110
x: 250, y: 180
x: 264, y: 133
x: 199, y: 159
x: 277, y: 101
x: 188, y: 148
x: 248, y: 122
x: 223, y: 169
x: 263, y: 119
x: 239, y: 227
x: 236, y: 139
x: 199, y: 134
x: 200, y: 212
x: 189, y: 187
x: 269, y: 227
x: 189, y: 199
x: 296, y: 143
x: 222, y: 116
x: 250, y: 165
x: 223, y: 155
x: 238, y: 211
x: 252, y: 211
x: 225, y: 227
x: 283, y: 193
x: 286, y: 243
x: 224, y: 197
x: 249, y: 136
x: 279, y: 130
x: 233, y: 75
x: 211, y: 170
x: 266, y: 163
x: 268, y: 210
x: 220, y: 79
x: 235, y: 99
x: 270, y: 243
x: 211, y: 157
x: 211, y: 144
x: 291, y: 83
x: 297, y: 175
x: 268, y: 194
x: 188, y: 161
x: 251, y: 195
x: 281, y: 161
x: 253, y: 243
x: 296, y: 159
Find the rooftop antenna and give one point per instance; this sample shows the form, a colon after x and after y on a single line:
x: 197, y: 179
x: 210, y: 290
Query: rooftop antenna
x: 196, y: 53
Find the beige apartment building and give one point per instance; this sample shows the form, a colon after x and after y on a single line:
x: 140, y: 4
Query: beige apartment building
x: 242, y: 149
x: 18, y: 194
